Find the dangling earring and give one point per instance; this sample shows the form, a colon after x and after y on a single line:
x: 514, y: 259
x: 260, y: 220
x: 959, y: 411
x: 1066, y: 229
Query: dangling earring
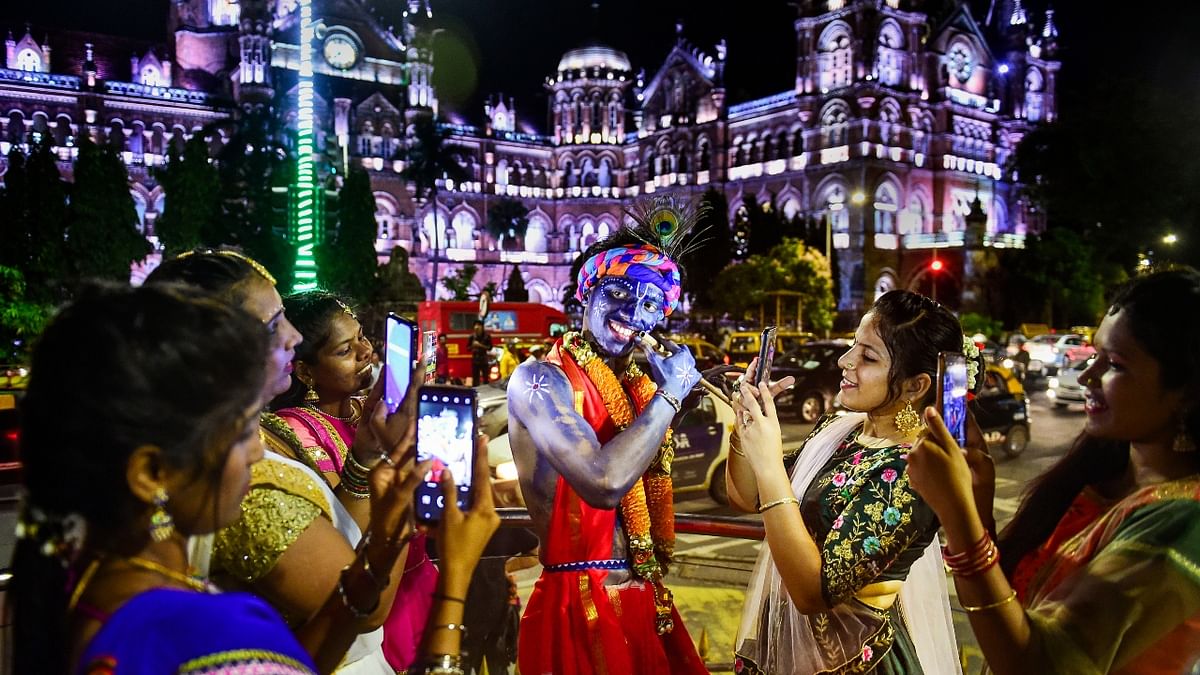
x: 1183, y: 440
x: 161, y: 523
x: 907, y: 421
x: 310, y: 396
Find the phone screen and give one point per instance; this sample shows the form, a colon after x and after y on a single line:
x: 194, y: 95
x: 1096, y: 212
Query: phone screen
x: 766, y: 354
x: 952, y: 394
x: 446, y: 435
x: 399, y: 359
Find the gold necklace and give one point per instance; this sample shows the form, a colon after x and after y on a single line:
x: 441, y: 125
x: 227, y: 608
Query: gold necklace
x: 174, y: 575
x: 353, y: 418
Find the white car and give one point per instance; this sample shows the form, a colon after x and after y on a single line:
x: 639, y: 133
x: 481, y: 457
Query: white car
x: 1041, y: 353
x: 1064, y: 389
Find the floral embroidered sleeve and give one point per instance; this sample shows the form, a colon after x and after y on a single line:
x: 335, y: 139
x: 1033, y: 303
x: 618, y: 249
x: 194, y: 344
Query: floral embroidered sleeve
x: 880, y: 526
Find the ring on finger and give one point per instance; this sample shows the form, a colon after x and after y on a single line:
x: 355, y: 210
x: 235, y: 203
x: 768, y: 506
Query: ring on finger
x: 747, y: 420
x: 386, y: 459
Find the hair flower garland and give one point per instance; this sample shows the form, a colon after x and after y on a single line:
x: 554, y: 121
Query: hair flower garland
x: 972, y: 353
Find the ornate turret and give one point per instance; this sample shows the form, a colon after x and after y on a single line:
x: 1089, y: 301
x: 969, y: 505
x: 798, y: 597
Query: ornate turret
x: 587, y: 95
x: 252, y: 84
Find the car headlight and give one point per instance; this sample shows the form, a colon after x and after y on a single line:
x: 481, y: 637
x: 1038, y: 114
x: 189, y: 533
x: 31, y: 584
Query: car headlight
x: 506, y: 471
x: 1052, y: 383
x: 1008, y: 363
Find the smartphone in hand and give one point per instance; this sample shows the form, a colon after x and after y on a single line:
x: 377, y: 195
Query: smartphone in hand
x: 401, y: 340
x: 446, y: 431
x: 766, y: 355
x: 952, y: 393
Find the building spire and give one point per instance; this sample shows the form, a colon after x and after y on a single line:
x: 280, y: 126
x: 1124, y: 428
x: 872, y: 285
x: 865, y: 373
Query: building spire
x: 1018, y: 16
x: 1049, y: 30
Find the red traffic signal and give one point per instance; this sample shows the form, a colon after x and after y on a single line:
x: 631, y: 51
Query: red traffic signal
x: 936, y: 265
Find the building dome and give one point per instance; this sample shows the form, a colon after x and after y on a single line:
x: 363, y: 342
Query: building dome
x: 594, y: 55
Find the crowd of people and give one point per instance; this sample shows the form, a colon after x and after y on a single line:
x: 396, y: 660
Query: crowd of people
x: 212, y: 486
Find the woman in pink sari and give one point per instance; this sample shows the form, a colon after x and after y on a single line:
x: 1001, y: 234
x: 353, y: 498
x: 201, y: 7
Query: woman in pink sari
x: 323, y: 407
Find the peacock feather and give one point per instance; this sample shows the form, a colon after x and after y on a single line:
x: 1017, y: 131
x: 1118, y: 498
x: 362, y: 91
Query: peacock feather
x: 667, y: 222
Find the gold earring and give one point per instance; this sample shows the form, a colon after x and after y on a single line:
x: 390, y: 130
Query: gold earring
x: 161, y: 523
x: 310, y: 396
x: 907, y: 421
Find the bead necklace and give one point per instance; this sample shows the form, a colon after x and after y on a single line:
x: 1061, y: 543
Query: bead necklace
x: 351, y: 419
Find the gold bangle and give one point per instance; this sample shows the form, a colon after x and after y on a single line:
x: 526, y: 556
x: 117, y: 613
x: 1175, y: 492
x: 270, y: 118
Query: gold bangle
x: 983, y: 608
x: 778, y: 502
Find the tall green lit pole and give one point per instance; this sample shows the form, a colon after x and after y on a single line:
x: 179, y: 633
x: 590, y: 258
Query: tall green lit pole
x: 305, y: 198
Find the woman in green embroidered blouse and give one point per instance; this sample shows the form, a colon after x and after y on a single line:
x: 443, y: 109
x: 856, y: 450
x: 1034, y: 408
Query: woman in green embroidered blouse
x: 846, y: 530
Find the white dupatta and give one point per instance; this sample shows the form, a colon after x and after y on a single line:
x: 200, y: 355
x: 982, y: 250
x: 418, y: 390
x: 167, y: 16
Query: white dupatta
x: 781, y: 640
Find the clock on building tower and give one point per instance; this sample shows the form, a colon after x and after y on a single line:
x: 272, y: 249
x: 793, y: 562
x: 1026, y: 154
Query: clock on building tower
x: 340, y: 51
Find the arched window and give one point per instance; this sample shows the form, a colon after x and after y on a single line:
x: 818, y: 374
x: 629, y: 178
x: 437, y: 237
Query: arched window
x: 835, y: 57
x: 502, y: 172
x: 913, y: 220
x: 535, y: 234
x: 1034, y: 85
x: 462, y: 231
x: 605, y: 176
x: 29, y: 60
x: 834, y: 123
x: 798, y: 143
x: 891, y: 56
x: 886, y: 206
x: 705, y: 160
x: 587, y: 234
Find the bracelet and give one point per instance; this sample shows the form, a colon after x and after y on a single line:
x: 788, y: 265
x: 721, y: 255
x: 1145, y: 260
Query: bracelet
x: 670, y: 399
x: 449, y: 598
x: 366, y: 541
x: 976, y: 560
x: 993, y: 605
x: 453, y: 626
x: 354, y: 478
x: 358, y: 467
x: 354, y: 611
x: 444, y: 664
x: 778, y: 502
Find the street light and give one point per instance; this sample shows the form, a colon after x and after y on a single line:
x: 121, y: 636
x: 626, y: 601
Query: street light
x: 1170, y: 238
x: 858, y: 198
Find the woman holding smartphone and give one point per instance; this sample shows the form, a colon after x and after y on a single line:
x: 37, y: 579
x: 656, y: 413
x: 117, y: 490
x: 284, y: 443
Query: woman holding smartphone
x: 296, y: 532
x: 1098, y: 570
x: 323, y: 409
x: 850, y: 564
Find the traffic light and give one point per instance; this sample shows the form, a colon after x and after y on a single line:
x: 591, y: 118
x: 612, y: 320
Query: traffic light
x: 936, y: 265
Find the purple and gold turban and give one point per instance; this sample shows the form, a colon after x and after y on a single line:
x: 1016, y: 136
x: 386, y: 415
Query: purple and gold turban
x: 640, y: 262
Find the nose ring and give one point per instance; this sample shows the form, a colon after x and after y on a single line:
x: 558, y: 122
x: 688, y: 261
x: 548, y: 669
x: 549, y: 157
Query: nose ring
x: 850, y: 366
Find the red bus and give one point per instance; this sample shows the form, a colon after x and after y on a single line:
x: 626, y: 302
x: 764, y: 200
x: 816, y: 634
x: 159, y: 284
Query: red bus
x: 527, y: 322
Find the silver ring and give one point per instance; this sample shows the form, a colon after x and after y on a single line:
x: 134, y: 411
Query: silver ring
x: 383, y: 457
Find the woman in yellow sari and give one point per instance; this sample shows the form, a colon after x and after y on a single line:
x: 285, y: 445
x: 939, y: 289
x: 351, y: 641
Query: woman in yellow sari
x: 1099, y: 572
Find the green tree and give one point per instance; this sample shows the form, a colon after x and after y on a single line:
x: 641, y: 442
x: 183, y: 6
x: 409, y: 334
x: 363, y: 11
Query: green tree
x: 429, y: 159
x: 400, y: 290
x: 20, y: 318
x: 514, y: 290
x: 34, y: 223
x: 1059, y: 271
x: 507, y: 221
x: 192, y: 199
x: 459, y: 283
x: 103, y: 239
x: 789, y: 266
x: 346, y: 260
x: 713, y: 250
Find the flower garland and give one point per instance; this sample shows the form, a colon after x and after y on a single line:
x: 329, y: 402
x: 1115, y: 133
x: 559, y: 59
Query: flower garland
x: 972, y: 352
x: 648, y: 509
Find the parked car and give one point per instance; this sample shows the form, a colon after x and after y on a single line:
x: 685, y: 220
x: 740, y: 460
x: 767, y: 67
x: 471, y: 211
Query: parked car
x: 742, y: 346
x: 1064, y: 388
x: 818, y: 378
x: 1002, y: 410
x: 1041, y: 354
x: 10, y: 438
x: 707, y: 354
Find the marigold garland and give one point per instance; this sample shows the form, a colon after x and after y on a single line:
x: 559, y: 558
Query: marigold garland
x: 648, y: 509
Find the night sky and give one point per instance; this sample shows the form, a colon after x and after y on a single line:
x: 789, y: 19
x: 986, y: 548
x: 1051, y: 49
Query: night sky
x: 510, y: 46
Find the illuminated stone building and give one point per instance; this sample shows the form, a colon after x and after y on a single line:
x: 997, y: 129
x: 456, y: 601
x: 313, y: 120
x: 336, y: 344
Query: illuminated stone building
x: 897, y: 120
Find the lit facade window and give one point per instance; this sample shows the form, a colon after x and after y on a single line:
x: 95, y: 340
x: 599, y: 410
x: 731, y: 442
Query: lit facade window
x: 224, y: 12
x: 29, y: 60
x: 835, y: 57
x: 151, y: 76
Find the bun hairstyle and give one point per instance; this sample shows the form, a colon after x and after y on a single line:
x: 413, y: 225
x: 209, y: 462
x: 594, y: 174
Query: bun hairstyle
x: 116, y: 369
x: 915, y: 329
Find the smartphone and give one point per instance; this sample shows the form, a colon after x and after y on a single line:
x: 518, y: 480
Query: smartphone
x: 401, y: 336
x: 766, y: 355
x: 429, y: 355
x: 446, y: 430
x: 952, y: 393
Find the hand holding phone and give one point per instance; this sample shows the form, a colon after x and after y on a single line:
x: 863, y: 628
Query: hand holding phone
x: 766, y: 355
x: 446, y: 431
x: 401, y: 345
x: 952, y: 394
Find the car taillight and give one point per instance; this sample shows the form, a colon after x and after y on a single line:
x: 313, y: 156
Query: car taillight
x: 12, y: 436
x: 726, y: 359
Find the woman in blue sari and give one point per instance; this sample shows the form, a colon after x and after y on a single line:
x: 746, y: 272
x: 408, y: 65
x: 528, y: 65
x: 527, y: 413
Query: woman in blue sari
x: 137, y: 434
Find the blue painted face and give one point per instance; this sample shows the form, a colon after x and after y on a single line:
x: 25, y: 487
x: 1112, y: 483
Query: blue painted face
x: 619, y: 307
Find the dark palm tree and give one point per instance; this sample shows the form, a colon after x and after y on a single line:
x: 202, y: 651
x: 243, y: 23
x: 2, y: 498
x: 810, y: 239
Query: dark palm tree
x: 430, y: 158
